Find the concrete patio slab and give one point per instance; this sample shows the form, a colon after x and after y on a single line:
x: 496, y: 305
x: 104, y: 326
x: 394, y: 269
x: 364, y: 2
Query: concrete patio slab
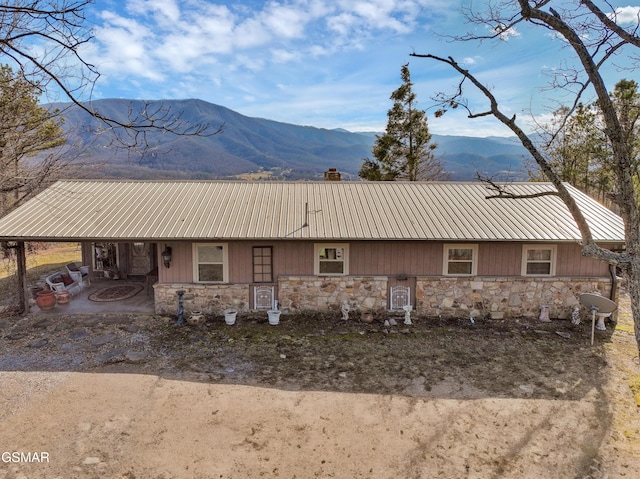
x: 81, y: 304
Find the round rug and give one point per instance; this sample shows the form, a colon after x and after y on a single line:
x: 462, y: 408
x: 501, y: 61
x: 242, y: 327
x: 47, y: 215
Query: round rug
x: 116, y: 293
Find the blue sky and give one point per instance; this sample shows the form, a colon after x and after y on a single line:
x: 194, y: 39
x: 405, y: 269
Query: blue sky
x: 323, y: 63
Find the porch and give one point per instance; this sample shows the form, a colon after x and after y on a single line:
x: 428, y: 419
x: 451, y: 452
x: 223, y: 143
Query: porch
x: 96, y: 298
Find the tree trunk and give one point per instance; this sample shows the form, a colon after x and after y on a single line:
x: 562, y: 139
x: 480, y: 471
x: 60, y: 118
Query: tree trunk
x: 21, y: 258
x: 633, y: 280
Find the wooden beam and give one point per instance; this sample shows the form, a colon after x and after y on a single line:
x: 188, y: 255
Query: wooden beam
x: 23, y: 297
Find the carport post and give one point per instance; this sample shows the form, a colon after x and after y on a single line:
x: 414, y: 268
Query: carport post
x: 21, y: 258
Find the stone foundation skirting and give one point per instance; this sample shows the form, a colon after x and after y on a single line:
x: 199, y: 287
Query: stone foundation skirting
x: 209, y: 298
x: 480, y: 297
x: 506, y: 297
x: 328, y: 292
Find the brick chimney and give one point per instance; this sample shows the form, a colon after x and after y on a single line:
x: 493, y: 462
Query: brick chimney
x: 332, y: 174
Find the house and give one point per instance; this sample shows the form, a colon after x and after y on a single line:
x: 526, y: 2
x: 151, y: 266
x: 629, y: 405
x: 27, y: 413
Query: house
x: 442, y: 247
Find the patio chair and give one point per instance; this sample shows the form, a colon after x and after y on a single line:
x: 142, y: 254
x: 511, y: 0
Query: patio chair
x: 79, y: 273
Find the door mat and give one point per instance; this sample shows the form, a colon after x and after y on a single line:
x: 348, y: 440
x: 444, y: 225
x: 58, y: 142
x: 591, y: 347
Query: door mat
x: 116, y: 293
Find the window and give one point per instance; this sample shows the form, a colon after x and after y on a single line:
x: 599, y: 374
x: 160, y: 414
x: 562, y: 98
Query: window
x: 210, y: 263
x: 460, y: 259
x: 538, y: 260
x: 262, y: 264
x: 331, y: 259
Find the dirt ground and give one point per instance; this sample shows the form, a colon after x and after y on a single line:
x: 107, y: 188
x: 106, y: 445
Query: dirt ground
x: 132, y: 397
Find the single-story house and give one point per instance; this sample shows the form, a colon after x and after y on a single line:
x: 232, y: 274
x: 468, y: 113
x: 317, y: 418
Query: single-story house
x: 443, y: 247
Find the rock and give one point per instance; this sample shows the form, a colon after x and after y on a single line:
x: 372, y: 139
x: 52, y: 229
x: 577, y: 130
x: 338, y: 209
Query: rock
x: 91, y: 460
x: 71, y: 347
x: 104, y: 339
x: 563, y: 334
x: 39, y: 343
x: 111, y: 354
x: 135, y: 356
x: 78, y: 334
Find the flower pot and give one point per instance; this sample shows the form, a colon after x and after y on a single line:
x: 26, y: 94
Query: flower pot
x: 197, y: 318
x: 62, y: 297
x: 274, y: 316
x: 35, y: 290
x: 230, y: 316
x: 46, y: 300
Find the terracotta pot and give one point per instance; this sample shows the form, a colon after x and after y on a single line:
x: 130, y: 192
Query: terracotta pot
x: 46, y: 300
x: 62, y: 297
x: 35, y: 290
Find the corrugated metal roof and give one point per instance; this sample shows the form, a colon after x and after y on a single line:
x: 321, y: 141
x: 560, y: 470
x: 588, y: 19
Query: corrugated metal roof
x: 163, y: 210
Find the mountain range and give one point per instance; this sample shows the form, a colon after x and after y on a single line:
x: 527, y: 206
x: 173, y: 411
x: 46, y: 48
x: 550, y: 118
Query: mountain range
x: 258, y: 148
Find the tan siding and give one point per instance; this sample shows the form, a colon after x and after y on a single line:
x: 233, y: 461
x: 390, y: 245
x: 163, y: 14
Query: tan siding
x: 87, y: 254
x: 293, y: 258
x: 499, y: 259
x: 571, y: 262
x: 395, y: 257
x: 414, y: 258
x: 289, y: 257
x: 181, y: 270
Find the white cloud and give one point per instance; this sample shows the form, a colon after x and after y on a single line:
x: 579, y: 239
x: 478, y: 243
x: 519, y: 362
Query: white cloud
x: 469, y: 61
x: 166, y: 11
x: 504, y: 32
x: 285, y: 21
x: 124, y: 47
x: 284, y: 56
x: 626, y: 15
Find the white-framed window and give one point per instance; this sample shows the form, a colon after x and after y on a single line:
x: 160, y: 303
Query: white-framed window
x: 210, y: 263
x: 538, y: 260
x: 460, y: 259
x: 331, y: 259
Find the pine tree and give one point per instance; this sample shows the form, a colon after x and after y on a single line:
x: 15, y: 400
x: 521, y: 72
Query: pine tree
x: 26, y: 129
x: 404, y: 151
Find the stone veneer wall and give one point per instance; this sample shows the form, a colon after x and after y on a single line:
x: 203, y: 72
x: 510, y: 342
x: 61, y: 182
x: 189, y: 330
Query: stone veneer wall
x: 505, y: 297
x: 328, y: 292
x: 210, y: 298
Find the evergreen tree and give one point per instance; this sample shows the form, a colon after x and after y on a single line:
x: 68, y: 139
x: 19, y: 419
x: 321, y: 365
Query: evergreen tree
x: 26, y: 129
x: 404, y: 151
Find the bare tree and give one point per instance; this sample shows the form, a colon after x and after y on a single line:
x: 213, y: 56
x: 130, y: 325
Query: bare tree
x: 594, y: 37
x: 42, y: 40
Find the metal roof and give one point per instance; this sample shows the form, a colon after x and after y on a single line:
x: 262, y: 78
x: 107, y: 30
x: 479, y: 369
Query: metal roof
x: 217, y: 210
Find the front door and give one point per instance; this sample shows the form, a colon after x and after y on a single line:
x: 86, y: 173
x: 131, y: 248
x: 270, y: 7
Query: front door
x: 140, y: 256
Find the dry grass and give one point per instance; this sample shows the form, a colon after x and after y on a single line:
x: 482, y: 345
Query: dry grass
x: 39, y: 264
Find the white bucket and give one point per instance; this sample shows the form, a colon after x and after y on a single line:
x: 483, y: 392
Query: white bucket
x: 230, y: 316
x: 274, y: 316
